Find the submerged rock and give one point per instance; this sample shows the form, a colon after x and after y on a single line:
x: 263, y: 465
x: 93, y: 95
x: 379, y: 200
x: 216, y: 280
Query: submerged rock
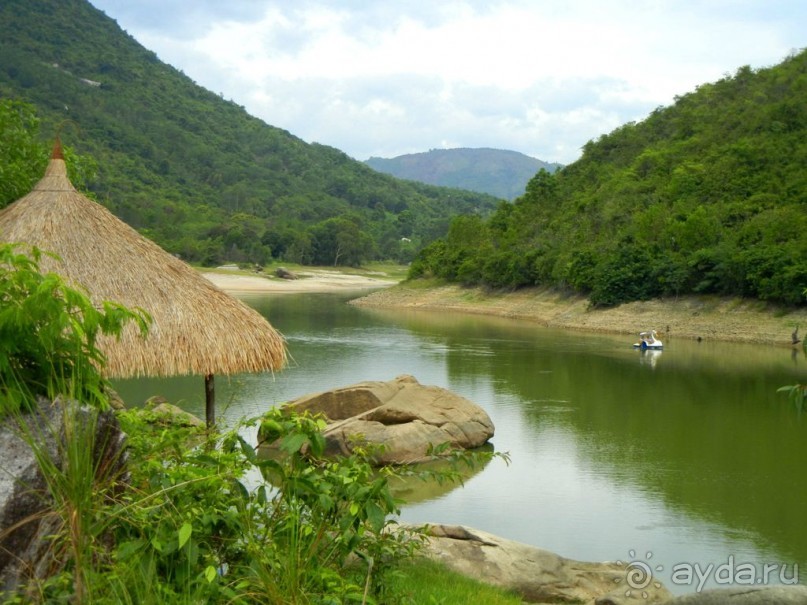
x: 407, y: 418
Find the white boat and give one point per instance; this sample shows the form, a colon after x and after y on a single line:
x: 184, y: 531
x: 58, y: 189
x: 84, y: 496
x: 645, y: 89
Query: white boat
x: 648, y: 341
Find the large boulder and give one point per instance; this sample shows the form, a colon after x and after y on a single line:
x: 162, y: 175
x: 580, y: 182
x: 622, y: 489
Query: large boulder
x: 536, y: 575
x: 407, y: 418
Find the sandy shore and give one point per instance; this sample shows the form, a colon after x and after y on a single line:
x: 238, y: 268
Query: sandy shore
x: 309, y: 281
x: 708, y: 318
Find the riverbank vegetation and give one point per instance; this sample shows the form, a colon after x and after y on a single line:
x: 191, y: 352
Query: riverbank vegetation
x: 707, y: 196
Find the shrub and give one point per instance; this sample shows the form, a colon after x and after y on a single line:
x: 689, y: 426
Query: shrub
x: 48, y: 334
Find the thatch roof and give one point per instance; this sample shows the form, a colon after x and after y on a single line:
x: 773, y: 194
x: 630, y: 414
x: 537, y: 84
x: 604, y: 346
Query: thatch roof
x: 196, y: 329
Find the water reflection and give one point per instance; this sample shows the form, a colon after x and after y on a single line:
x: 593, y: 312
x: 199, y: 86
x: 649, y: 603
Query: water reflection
x: 690, y: 454
x: 649, y: 357
x: 415, y: 489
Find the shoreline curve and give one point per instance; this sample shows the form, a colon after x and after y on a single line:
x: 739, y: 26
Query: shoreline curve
x: 703, y: 317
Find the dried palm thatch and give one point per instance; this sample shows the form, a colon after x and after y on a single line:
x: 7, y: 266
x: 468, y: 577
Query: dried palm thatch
x: 196, y: 329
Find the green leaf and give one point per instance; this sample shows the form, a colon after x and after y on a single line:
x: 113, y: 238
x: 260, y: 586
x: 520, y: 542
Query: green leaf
x: 375, y: 516
x: 317, y: 444
x: 248, y: 450
x: 270, y: 430
x: 210, y: 573
x: 185, y: 533
x: 293, y: 443
x: 326, y: 502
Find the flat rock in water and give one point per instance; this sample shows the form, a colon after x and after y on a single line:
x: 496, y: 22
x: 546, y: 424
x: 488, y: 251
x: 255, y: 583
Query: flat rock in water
x: 407, y: 418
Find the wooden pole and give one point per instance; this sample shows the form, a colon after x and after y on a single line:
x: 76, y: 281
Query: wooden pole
x: 210, y: 401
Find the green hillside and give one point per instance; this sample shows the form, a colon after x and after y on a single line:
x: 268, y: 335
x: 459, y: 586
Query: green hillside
x: 499, y: 172
x: 195, y: 172
x: 708, y: 195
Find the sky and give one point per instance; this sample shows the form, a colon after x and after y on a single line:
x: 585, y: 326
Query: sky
x: 390, y: 77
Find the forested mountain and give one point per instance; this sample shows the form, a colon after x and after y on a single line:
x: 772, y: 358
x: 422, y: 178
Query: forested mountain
x: 501, y: 173
x: 708, y: 195
x: 197, y: 173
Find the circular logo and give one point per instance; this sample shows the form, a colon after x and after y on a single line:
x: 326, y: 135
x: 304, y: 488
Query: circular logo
x: 639, y: 574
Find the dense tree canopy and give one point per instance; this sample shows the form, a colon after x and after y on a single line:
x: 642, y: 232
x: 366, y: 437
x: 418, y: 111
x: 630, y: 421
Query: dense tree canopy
x: 190, y: 170
x: 23, y: 156
x: 706, y: 196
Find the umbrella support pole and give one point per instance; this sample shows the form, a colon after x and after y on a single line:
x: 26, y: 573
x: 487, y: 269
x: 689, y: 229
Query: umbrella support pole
x: 210, y: 401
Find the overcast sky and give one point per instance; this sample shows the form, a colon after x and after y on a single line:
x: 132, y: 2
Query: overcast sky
x: 388, y: 77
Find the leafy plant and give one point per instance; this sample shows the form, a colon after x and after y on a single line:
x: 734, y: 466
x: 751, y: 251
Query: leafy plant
x: 48, y: 349
x: 797, y: 393
x: 336, y: 511
x: 196, y: 524
x: 49, y: 333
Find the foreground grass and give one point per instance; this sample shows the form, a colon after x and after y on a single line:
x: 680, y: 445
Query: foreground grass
x: 425, y: 582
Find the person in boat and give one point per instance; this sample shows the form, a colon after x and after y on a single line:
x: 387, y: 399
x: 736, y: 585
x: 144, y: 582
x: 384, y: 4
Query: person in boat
x: 648, y: 337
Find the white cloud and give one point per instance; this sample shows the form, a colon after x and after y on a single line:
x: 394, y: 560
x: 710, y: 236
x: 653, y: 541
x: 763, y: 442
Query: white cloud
x: 382, y: 78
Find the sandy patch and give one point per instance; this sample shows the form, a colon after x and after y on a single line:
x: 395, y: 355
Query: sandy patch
x: 309, y: 281
x: 708, y: 318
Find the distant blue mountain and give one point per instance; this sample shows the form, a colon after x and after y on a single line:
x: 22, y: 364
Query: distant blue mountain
x: 498, y: 172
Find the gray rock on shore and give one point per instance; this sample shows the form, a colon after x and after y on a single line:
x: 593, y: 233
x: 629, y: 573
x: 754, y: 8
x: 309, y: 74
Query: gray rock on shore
x: 540, y: 576
x: 284, y: 273
x: 746, y: 595
x: 537, y: 575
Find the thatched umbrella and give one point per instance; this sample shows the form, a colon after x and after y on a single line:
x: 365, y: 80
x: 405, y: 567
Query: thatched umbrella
x: 196, y: 328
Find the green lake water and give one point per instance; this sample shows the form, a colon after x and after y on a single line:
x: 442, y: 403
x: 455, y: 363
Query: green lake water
x: 688, y: 457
